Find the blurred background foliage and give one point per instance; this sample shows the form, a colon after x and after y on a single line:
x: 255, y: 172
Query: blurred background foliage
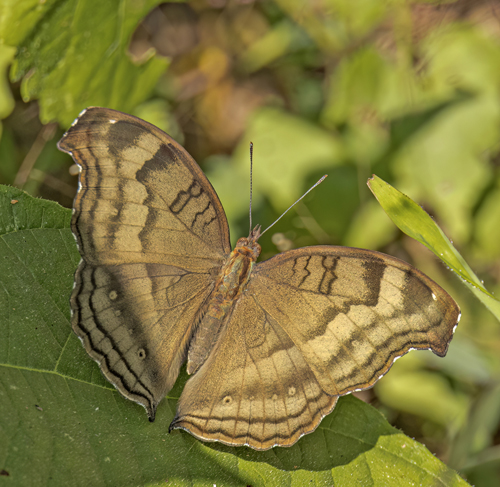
x: 409, y: 91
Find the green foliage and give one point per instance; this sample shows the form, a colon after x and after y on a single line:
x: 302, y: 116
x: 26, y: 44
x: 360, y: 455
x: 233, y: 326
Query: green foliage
x: 6, y: 100
x: 416, y: 223
x: 75, y: 53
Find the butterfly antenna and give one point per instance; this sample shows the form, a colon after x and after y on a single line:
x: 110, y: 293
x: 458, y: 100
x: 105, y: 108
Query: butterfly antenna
x: 251, y: 176
x: 290, y: 207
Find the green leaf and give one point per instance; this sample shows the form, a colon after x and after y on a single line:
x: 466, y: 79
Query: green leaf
x: 415, y: 222
x: 412, y: 388
x: 6, y: 98
x: 63, y: 424
x: 270, y: 47
x: 445, y: 163
x: 73, y: 54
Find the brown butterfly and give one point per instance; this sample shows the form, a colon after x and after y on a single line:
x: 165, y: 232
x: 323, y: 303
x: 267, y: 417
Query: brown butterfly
x: 270, y: 346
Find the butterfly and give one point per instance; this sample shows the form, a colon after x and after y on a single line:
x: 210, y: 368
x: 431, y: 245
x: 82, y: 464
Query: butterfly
x: 269, y: 346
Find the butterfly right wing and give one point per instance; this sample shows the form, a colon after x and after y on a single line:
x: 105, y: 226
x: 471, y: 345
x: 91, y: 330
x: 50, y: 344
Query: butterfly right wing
x: 153, y: 236
x: 313, y: 323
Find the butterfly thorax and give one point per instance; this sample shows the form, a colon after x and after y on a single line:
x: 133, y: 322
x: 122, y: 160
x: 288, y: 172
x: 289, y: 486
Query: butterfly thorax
x: 232, y: 281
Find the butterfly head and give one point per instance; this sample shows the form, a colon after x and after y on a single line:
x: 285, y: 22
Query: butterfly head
x: 248, y: 245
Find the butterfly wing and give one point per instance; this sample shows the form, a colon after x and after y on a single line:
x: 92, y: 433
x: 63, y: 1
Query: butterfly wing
x: 153, y: 236
x: 313, y: 324
x: 352, y: 312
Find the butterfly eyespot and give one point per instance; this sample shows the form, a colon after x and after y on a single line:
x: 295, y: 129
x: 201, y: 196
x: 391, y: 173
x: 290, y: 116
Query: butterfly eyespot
x: 113, y: 295
x: 291, y: 391
x: 141, y: 353
x: 227, y: 400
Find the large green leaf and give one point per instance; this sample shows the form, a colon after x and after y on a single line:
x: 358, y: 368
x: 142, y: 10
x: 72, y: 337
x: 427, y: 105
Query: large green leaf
x: 73, y: 54
x: 63, y: 424
x: 416, y: 223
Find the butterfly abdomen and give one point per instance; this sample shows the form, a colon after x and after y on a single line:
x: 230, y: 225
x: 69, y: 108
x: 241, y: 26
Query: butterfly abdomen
x: 232, y: 281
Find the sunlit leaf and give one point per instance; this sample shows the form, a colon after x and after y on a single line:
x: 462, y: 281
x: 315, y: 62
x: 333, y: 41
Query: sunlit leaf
x: 416, y: 223
x: 74, y: 54
x: 6, y: 99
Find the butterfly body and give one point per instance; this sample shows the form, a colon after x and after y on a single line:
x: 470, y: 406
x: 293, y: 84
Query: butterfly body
x: 232, y: 281
x: 270, y: 346
x: 235, y: 274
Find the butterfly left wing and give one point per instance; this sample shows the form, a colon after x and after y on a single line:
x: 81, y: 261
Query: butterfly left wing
x: 153, y: 236
x: 313, y: 324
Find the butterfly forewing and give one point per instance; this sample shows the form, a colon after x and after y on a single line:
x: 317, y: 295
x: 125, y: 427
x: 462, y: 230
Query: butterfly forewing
x: 351, y: 312
x: 152, y: 234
